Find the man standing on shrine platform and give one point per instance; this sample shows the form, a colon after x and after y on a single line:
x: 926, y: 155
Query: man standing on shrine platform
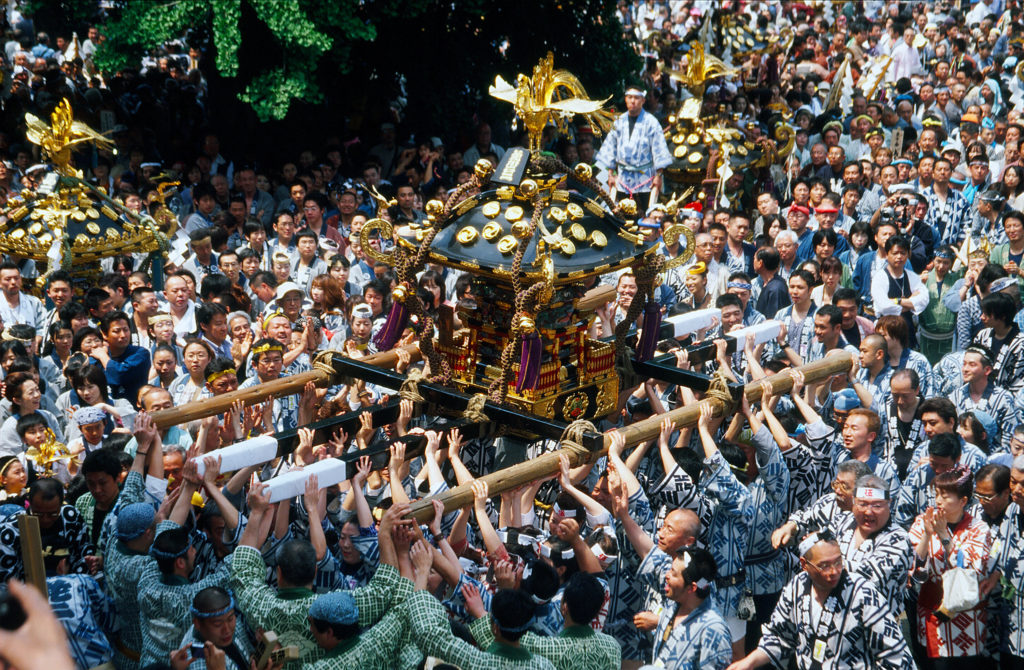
x: 635, y: 152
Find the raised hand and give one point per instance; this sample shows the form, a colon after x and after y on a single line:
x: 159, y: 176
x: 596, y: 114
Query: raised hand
x: 258, y: 498
x: 397, y: 459
x: 145, y: 430
x: 212, y: 470
x: 618, y: 444
x: 363, y: 468
x: 313, y: 493
x: 422, y: 556
x: 665, y: 434
x: 505, y: 575
x: 338, y: 443
x: 480, y: 490
x: 798, y: 381
x: 435, y: 523
x: 306, y: 438
x: 704, y: 420
x: 568, y: 530
x: 454, y: 443
x: 474, y: 603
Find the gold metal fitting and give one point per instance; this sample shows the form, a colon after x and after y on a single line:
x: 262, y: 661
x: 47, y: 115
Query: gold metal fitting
x: 526, y: 324
x: 583, y: 171
x: 483, y: 169
x: 521, y: 229
x: 399, y: 293
x: 434, y: 207
x: 628, y: 207
x: 528, y: 188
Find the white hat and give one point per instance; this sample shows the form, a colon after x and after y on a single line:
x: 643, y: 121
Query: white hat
x: 286, y: 288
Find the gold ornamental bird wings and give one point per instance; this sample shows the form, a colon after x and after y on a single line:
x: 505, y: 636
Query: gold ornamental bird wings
x: 700, y: 68
x: 551, y: 96
x: 63, y: 133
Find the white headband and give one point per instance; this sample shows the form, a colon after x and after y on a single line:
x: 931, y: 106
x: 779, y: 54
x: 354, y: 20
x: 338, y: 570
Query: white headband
x: 603, y: 558
x: 687, y: 559
x: 872, y: 494
x: 807, y: 543
x: 567, y: 513
x: 545, y: 551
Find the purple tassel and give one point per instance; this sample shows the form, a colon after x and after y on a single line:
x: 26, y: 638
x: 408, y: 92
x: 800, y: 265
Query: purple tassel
x: 649, y: 335
x: 529, y: 362
x: 386, y: 337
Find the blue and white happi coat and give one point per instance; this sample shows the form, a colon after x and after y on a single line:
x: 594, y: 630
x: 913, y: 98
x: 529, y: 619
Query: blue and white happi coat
x: 636, y: 156
x: 856, y: 628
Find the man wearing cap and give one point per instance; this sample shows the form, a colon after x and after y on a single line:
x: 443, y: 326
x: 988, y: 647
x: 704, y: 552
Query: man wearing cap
x: 334, y: 624
x: 980, y: 393
x: 286, y: 611
x: 215, y: 622
x: 635, y: 152
x: 828, y: 617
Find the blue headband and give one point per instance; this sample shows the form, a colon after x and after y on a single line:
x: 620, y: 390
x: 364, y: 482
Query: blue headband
x: 209, y: 615
x: 740, y: 284
x: 156, y: 553
x: 518, y: 629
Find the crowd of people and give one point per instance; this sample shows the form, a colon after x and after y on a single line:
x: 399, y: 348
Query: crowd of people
x: 870, y: 519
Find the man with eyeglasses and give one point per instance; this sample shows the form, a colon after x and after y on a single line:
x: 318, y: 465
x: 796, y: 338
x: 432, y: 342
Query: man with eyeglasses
x: 829, y: 618
x: 872, y: 545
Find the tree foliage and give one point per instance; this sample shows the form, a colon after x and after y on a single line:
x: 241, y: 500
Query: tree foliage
x: 440, y: 56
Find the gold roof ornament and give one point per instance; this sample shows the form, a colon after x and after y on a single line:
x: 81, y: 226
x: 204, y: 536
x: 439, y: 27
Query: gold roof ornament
x: 551, y: 95
x: 68, y: 223
x: 57, y: 139
x: 700, y: 68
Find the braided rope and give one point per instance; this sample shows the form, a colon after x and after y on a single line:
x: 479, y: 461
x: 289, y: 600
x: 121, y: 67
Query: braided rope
x: 572, y: 436
x: 474, y: 411
x: 498, y: 389
x: 719, y: 390
x: 410, y: 387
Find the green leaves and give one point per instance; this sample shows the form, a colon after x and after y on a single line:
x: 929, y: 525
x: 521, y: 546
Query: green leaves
x: 227, y: 37
x: 270, y: 94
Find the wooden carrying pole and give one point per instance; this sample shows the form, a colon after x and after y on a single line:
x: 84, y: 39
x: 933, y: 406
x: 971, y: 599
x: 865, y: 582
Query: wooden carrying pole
x: 838, y: 361
x: 277, y: 388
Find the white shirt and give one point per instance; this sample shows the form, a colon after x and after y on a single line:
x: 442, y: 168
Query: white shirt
x: 29, y: 310
x: 885, y: 305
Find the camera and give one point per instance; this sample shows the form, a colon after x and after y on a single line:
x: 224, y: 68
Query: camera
x: 904, y: 202
x: 887, y: 214
x: 12, y: 616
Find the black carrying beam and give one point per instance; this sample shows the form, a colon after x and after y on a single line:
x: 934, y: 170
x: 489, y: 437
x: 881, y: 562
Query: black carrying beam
x: 449, y: 401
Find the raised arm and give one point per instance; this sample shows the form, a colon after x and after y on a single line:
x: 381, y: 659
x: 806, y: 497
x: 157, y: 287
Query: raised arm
x: 363, y: 513
x: 490, y: 537
x: 593, y: 508
x: 227, y: 510
x: 462, y: 474
x: 615, y: 458
x: 314, y: 501
x: 640, y: 540
x: 397, y: 470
